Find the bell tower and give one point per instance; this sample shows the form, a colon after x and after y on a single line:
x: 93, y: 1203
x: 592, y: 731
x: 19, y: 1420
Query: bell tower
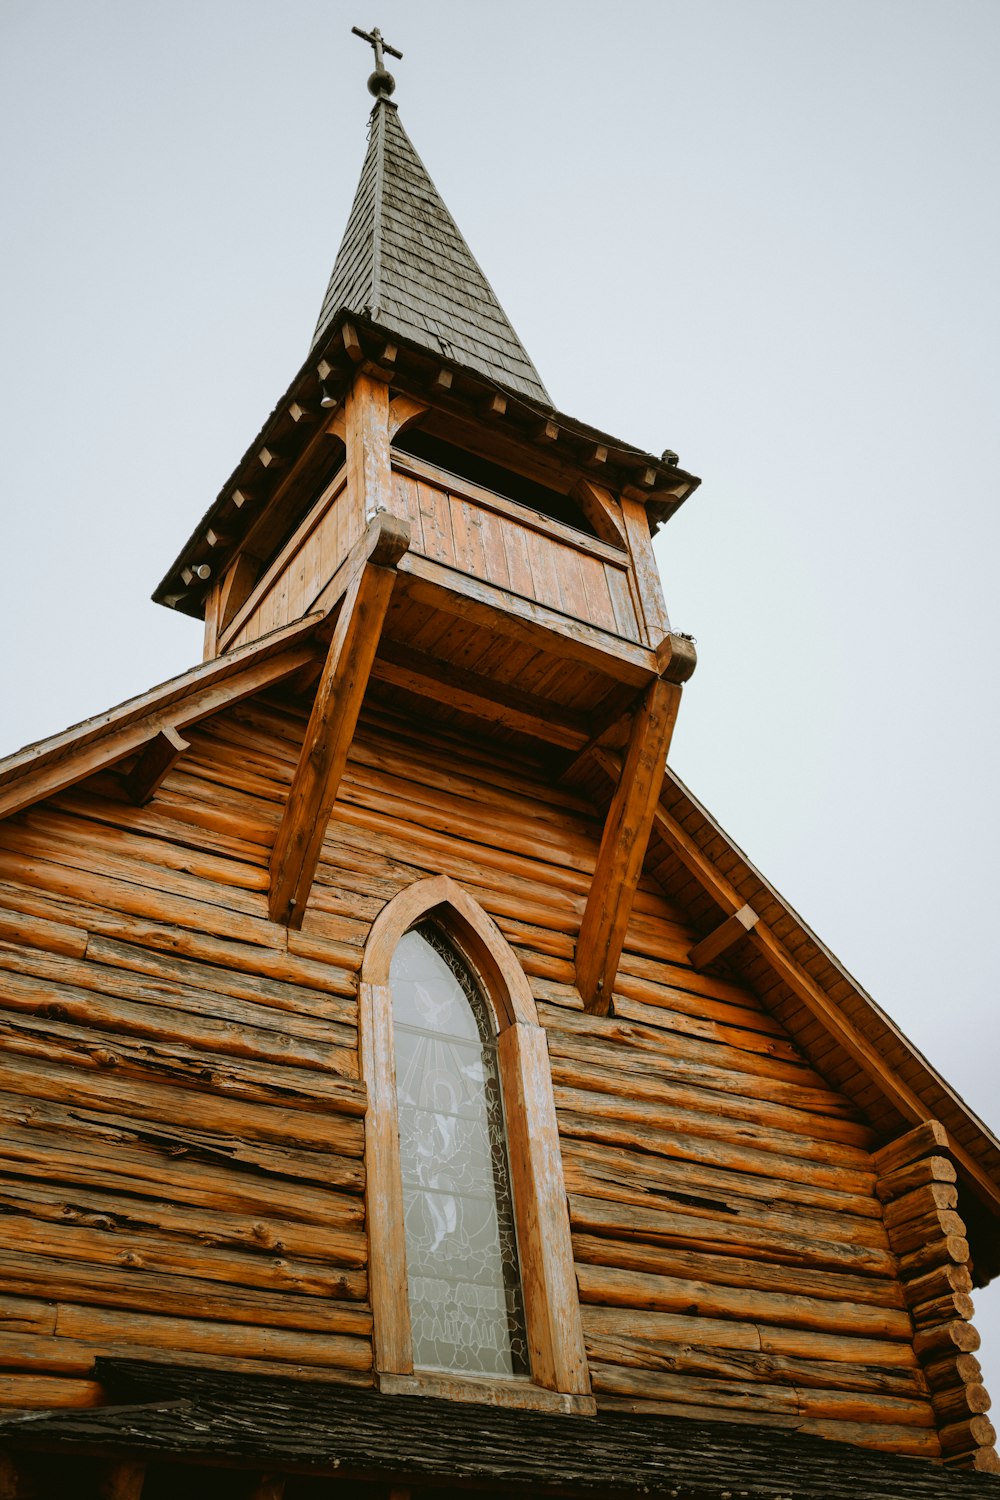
x: 458, y: 545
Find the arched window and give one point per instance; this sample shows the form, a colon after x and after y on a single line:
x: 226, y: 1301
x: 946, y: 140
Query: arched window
x: 451, y: 1051
x: 464, y: 1280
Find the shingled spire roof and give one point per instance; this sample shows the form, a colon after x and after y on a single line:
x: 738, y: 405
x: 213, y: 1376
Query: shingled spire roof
x: 404, y: 265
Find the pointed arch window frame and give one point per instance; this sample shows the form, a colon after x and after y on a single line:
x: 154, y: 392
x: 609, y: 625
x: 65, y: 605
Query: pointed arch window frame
x: 559, y: 1370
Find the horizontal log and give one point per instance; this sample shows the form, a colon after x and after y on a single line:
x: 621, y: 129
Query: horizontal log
x: 972, y: 1432
x: 941, y: 1308
x: 927, y: 1139
x: 310, y: 1009
x: 76, y: 1357
x: 921, y: 1201
x: 204, y: 1336
x: 48, y: 1392
x: 660, y: 1093
x: 104, y: 1093
x: 678, y: 1021
x: 713, y: 1149
x: 938, y: 1224
x: 38, y: 932
x: 719, y: 1234
x: 222, y: 1047
x: 615, y: 1348
x: 664, y: 1116
x: 984, y: 1460
x: 598, y: 1170
x: 301, y: 1296
x: 896, y: 1432
x: 245, y: 958
x: 663, y: 1044
x: 936, y: 1282
x: 961, y: 1401
x: 138, y: 1254
x: 634, y: 1204
x: 51, y: 829
x: 725, y: 1333
x: 125, y: 1223
x: 952, y: 1369
x: 734, y: 1270
x: 634, y: 1056
x: 949, y: 1249
x: 956, y: 1335
x: 903, y: 1180
x: 612, y: 1286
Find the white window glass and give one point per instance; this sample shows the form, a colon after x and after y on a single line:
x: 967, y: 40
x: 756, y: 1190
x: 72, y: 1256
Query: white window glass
x: 466, y: 1307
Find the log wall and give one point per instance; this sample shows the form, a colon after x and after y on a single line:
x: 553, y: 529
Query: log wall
x: 182, y: 1168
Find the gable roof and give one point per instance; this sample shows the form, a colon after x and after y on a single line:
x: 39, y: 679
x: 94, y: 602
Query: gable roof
x: 404, y: 264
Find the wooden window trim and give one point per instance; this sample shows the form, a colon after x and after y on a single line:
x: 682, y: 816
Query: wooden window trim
x: 552, y: 1308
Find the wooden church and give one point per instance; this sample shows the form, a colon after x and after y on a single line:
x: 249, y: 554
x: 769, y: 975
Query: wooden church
x: 408, y: 1089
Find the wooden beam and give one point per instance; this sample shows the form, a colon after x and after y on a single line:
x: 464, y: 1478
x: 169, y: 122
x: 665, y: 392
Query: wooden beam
x: 333, y: 721
x: 483, y: 697
x: 623, y: 845
x: 369, y: 470
x: 723, y: 937
x: 352, y: 344
x: 160, y: 755
x: 816, y: 1001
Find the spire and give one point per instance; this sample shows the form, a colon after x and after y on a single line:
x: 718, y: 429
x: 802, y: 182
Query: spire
x: 404, y: 265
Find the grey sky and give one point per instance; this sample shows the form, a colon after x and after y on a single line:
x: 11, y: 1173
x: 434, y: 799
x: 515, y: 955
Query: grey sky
x: 763, y: 234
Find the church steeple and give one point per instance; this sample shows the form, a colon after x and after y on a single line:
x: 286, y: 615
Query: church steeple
x: 404, y: 265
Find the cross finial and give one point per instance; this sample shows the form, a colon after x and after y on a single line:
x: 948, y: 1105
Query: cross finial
x: 381, y: 83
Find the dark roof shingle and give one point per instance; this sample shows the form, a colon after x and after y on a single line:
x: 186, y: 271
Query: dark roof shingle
x: 404, y: 265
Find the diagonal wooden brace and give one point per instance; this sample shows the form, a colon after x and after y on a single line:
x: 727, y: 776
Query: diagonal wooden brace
x: 333, y: 720
x: 623, y: 845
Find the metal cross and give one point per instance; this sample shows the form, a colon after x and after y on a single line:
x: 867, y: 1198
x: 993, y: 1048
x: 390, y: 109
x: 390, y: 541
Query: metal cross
x: 374, y: 37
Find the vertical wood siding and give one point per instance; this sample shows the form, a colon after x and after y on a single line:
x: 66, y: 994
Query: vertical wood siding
x: 498, y: 541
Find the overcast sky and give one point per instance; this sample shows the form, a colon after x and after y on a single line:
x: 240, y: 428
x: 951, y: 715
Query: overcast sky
x: 761, y: 232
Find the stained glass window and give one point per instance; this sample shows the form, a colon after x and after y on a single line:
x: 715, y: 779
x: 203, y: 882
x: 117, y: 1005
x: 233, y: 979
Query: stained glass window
x: 466, y: 1307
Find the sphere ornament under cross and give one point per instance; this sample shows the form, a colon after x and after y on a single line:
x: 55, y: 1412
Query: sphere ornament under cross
x: 381, y: 83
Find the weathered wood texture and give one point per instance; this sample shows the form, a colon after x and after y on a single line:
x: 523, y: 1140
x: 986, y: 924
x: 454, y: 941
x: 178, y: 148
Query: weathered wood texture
x: 469, y: 528
x: 331, y: 1438
x: 914, y: 1185
x: 183, y: 1167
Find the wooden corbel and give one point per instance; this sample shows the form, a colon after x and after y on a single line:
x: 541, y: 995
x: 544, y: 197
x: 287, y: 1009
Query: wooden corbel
x: 333, y: 719
x: 403, y: 412
x: 623, y: 845
x: 723, y: 938
x: 160, y: 755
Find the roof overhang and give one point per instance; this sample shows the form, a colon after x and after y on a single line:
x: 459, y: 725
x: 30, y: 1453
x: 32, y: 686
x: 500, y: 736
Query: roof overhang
x: 353, y: 343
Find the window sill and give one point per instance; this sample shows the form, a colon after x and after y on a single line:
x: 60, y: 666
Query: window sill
x: 520, y: 1395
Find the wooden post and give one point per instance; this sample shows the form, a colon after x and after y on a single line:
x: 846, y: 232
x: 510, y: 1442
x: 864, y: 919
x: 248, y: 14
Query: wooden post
x: 623, y: 845
x: 369, y: 470
x: 332, y: 722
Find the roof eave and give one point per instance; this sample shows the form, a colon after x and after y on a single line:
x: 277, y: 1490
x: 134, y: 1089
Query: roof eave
x: 661, y: 485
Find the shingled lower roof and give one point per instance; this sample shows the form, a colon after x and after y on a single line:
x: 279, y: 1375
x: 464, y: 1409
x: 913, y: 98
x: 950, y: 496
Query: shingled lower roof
x: 404, y: 264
